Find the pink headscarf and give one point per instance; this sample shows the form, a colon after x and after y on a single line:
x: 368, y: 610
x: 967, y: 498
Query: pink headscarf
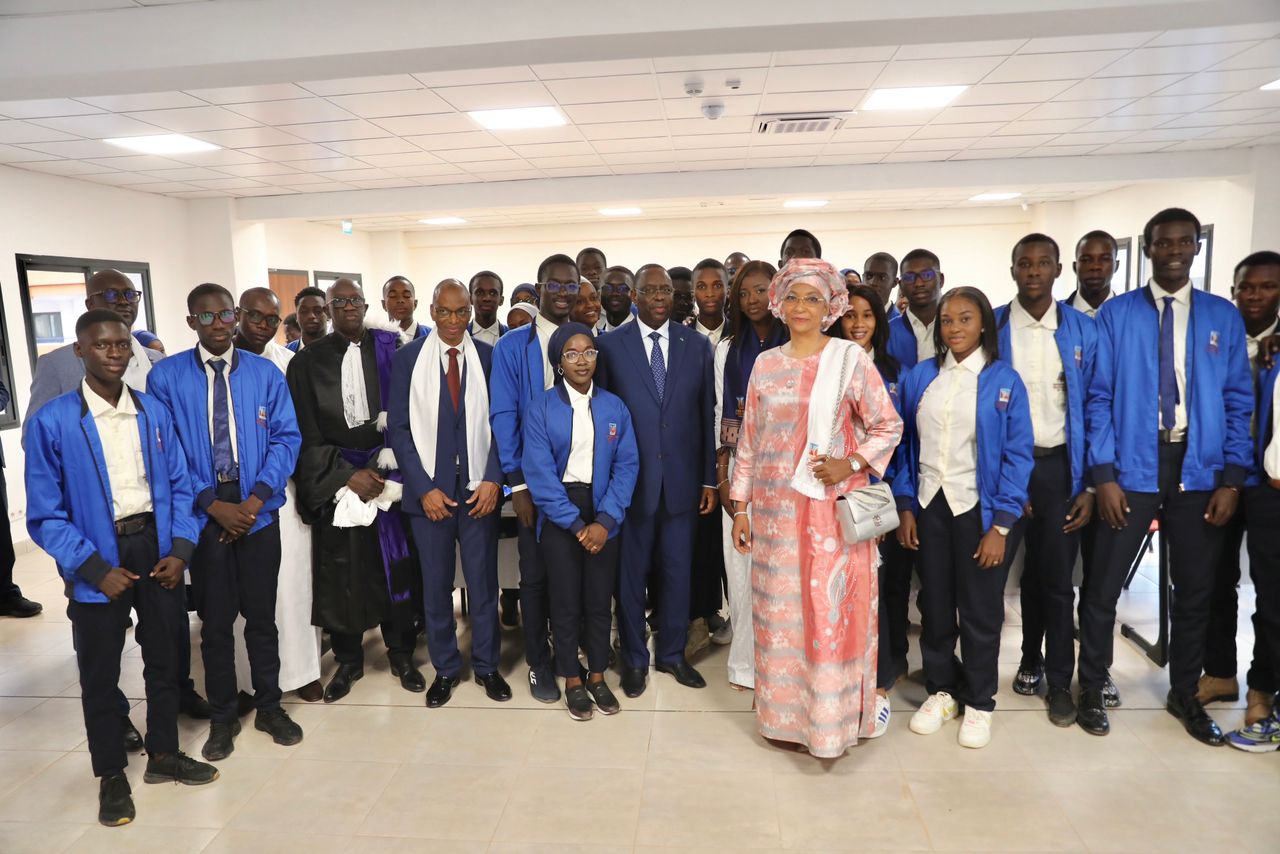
x: 819, y: 274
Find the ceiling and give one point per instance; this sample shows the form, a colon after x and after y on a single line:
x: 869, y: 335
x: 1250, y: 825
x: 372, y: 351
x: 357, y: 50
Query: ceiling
x: 16, y: 8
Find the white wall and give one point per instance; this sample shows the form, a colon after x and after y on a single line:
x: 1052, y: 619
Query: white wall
x: 308, y: 246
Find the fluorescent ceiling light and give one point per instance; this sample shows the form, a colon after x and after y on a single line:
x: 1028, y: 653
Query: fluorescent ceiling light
x: 1273, y: 86
x: 620, y: 211
x: 994, y: 197
x: 165, y: 143
x: 519, y: 118
x: 913, y: 98
x: 805, y: 203
x: 443, y: 220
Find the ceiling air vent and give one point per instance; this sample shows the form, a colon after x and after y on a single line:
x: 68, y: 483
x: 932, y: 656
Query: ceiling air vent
x: 798, y: 123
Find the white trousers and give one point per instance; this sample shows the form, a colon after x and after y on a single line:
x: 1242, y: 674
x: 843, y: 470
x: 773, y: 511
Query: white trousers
x: 737, y: 568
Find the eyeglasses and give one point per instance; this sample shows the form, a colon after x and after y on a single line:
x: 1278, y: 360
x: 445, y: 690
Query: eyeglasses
x: 206, y: 318
x: 573, y: 356
x: 622, y: 288
x: 657, y: 292
x: 111, y: 296
x: 554, y: 287
x: 446, y: 313
x: 272, y: 320
x: 923, y: 275
x: 343, y: 302
x: 811, y: 301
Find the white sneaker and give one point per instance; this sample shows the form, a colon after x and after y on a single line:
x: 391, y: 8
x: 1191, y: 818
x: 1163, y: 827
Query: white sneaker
x: 882, y: 717
x: 929, y: 718
x: 975, y: 732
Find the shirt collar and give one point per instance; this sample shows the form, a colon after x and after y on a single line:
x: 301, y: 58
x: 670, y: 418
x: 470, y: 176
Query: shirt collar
x: 1022, y: 318
x: 1077, y: 299
x: 575, y: 396
x: 476, y: 325
x: 205, y: 355
x: 1266, y: 333
x: 98, y: 406
x: 708, y: 331
x: 1182, y: 297
x: 974, y: 362
x: 646, y: 330
x: 545, y: 326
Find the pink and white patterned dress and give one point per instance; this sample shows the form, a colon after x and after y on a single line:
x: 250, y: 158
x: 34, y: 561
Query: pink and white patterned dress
x: 814, y: 597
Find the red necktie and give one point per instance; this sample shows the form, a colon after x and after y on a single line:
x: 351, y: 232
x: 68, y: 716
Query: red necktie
x: 454, y: 377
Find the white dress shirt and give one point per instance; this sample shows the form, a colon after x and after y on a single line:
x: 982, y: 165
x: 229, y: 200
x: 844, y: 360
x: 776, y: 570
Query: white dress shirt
x: 1253, y: 342
x: 1079, y: 303
x: 545, y: 329
x: 713, y: 336
x: 580, y: 467
x: 1038, y: 362
x: 606, y: 326
x: 121, y: 450
x: 1181, y: 315
x: 355, y: 398
x: 664, y: 341
x: 925, y: 348
x: 205, y: 356
x: 487, y: 334
x: 947, y: 423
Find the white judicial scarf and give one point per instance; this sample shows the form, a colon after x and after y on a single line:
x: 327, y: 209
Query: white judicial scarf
x: 834, y: 369
x: 135, y: 373
x: 355, y: 398
x: 424, y: 406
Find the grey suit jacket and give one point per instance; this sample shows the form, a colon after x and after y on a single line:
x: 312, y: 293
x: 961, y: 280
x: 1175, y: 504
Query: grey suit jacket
x: 59, y: 372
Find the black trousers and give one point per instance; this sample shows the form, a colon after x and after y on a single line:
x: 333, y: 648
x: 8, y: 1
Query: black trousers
x: 951, y: 583
x: 1261, y: 514
x: 580, y: 587
x: 706, y: 576
x: 1193, y: 549
x: 534, y: 607
x: 100, y: 630
x: 1048, y: 598
x: 896, y: 564
x: 234, y: 579
x: 8, y: 590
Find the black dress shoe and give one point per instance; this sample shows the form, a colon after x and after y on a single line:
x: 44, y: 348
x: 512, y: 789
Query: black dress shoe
x: 440, y: 691
x: 277, y: 724
x: 684, y: 673
x: 633, y: 680
x: 115, y: 800
x: 509, y: 612
x: 1195, y: 719
x: 178, y: 768
x: 193, y: 705
x: 311, y: 692
x: 1062, y: 709
x: 20, y: 606
x: 221, y: 742
x: 495, y: 687
x: 1110, y: 693
x: 1028, y: 679
x: 411, y: 678
x: 132, y: 738
x: 340, y: 685
x: 1092, y: 714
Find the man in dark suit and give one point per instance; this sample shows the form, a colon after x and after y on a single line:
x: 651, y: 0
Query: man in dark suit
x: 438, y: 426
x: 12, y: 602
x: 673, y: 411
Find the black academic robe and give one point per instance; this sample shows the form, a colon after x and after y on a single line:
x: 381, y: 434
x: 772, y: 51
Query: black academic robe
x: 350, y: 589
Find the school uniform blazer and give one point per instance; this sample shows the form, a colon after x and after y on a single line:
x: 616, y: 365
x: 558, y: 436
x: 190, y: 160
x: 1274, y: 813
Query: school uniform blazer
x: 267, y: 435
x: 1077, y: 341
x: 548, y: 439
x: 894, y: 387
x: 1123, y: 417
x: 516, y: 381
x: 675, y: 436
x: 1005, y: 442
x: 902, y: 342
x: 451, y: 431
x: 69, y: 493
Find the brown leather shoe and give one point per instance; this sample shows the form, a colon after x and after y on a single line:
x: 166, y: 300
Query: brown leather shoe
x: 1218, y: 689
x: 312, y: 692
x: 1260, y: 704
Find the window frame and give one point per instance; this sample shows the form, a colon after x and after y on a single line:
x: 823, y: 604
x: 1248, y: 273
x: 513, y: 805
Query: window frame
x: 1206, y: 238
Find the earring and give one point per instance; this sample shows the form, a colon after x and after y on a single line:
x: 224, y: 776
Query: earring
x: 559, y: 370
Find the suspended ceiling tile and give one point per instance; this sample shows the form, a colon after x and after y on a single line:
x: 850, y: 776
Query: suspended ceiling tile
x: 475, y: 76
x: 1208, y: 82
x: 442, y: 141
x: 328, y: 164
x: 419, y: 125
x: 983, y: 113
x: 711, y: 61
x: 819, y: 78
x: 362, y: 85
x: 256, y: 170
x: 1130, y: 123
x: 1202, y: 35
x: 417, y: 157
x: 193, y: 119
x: 137, y: 163
x: 1038, y: 126
x: 596, y: 90
x: 625, y: 130
x: 534, y: 136
x: 249, y: 137
x: 301, y: 151
x: 296, y: 111
x: 348, y: 129
x: 1053, y: 66
x: 604, y: 68
x: 17, y: 132
x: 79, y: 149
x: 1172, y: 60
x: 66, y: 168
x: 717, y: 83
x: 247, y: 94
x: 147, y: 101
x: 1264, y: 55
x: 425, y: 170
x: 939, y: 131
x: 1118, y: 87
x: 1097, y: 41
x: 497, y: 96
x: 45, y: 108
x: 217, y: 158
x: 1009, y: 93
x: 466, y: 155
x: 552, y: 149
x: 837, y: 101
x: 622, y: 111
x: 185, y: 173
x: 1255, y: 99
x: 1218, y: 117
x: 364, y: 147
x: 937, y: 72
x: 689, y: 108
x: 946, y: 144
x: 381, y: 105
x: 1076, y: 109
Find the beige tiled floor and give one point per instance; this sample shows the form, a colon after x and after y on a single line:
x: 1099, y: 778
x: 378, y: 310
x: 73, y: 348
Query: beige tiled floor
x: 677, y: 771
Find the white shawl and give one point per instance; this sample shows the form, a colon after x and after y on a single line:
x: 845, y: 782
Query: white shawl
x: 424, y: 406
x: 834, y: 370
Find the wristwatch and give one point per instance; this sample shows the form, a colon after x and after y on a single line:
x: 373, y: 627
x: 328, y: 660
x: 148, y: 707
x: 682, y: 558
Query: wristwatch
x: 1001, y: 530
x: 855, y: 465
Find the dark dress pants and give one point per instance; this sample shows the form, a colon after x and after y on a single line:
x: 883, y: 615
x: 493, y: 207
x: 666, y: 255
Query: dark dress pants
x: 534, y: 607
x: 951, y: 583
x: 580, y: 586
x: 8, y: 590
x: 1193, y: 552
x: 100, y: 631
x: 1220, y: 642
x: 896, y: 564
x: 707, y: 570
x: 437, y: 544
x: 239, y: 578
x: 660, y: 543
x: 1048, y: 598
x: 1262, y: 519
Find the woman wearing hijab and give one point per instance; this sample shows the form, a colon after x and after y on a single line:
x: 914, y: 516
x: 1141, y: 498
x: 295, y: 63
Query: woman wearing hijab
x: 580, y: 463
x: 521, y: 314
x: 752, y: 330
x: 818, y: 424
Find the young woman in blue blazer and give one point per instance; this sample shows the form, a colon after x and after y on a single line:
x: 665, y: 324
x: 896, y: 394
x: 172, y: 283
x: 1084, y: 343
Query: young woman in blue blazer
x: 580, y: 463
x: 961, y: 480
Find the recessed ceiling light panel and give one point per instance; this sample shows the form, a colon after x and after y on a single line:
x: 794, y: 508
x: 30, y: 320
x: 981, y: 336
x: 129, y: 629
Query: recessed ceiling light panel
x: 520, y: 118
x: 1273, y: 86
x: 913, y: 98
x: 164, y: 143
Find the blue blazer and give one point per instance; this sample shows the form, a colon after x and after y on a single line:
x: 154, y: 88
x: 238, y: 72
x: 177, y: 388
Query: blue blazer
x: 451, y: 431
x: 1077, y: 341
x: 1005, y: 442
x: 548, y: 438
x: 674, y: 436
x: 517, y: 380
x: 902, y: 342
x: 69, y: 493
x: 267, y: 435
x: 1123, y: 405
x: 294, y: 345
x: 894, y: 387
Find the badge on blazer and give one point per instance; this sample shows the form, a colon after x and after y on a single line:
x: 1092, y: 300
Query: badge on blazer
x: 893, y: 390
x: 1213, y: 341
x: 613, y: 431
x: 1002, y: 403
x: 1079, y: 353
x: 159, y: 441
x: 262, y: 416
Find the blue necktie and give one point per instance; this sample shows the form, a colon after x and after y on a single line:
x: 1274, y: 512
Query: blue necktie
x: 223, y: 462
x: 1168, y: 379
x: 657, y: 364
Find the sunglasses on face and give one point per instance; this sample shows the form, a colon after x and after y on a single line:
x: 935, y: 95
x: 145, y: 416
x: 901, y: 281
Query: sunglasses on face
x: 206, y: 318
x: 573, y: 356
x: 343, y: 302
x: 272, y: 320
x: 554, y: 287
x: 923, y: 275
x: 111, y: 296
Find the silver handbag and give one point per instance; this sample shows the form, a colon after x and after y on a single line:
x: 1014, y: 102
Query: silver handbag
x: 867, y: 512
